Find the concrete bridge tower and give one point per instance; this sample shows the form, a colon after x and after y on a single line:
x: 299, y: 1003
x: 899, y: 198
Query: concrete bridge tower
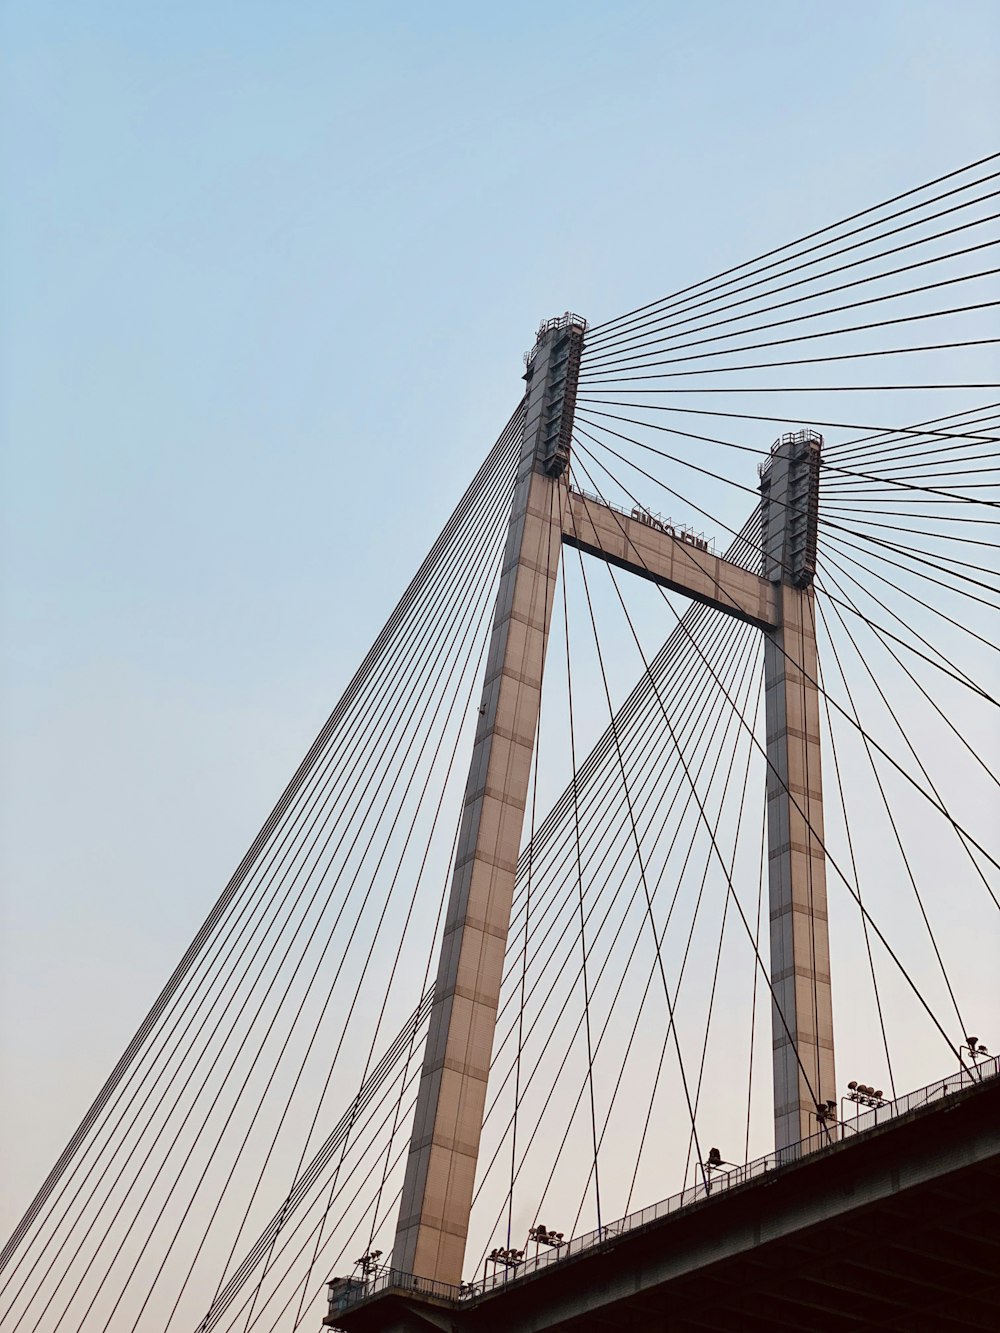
x: 547, y: 512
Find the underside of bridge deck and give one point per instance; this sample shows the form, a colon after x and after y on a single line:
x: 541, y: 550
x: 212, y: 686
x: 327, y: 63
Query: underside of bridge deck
x: 899, y: 1229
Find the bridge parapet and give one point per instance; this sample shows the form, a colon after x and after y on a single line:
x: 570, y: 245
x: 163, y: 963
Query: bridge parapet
x: 835, y: 1138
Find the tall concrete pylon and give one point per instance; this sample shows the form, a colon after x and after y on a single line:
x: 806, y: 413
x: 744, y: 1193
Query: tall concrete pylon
x: 441, y: 1166
x: 802, y: 1017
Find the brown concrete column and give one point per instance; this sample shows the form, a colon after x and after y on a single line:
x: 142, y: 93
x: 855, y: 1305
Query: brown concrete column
x: 441, y: 1167
x: 802, y: 1011
x: 800, y: 946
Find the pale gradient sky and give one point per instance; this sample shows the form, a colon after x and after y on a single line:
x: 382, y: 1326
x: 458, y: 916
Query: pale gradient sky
x: 267, y: 273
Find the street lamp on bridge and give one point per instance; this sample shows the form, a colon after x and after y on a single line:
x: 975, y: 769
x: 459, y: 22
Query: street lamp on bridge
x: 554, y: 1239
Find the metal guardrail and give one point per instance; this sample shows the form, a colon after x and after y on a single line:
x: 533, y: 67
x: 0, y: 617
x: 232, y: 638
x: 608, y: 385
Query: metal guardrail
x: 352, y: 1290
x: 789, y: 437
x: 720, y: 1183
x: 565, y: 321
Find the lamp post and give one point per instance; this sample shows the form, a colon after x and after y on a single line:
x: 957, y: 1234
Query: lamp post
x: 826, y: 1114
x: 863, y: 1094
x: 541, y: 1236
x: 715, y: 1163
x: 502, y: 1259
x: 976, y: 1052
x: 369, y: 1265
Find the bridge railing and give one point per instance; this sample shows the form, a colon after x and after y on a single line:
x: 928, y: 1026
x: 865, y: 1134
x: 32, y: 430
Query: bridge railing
x: 965, y: 1077
x: 723, y: 1179
x: 345, y: 1292
x: 717, y: 1182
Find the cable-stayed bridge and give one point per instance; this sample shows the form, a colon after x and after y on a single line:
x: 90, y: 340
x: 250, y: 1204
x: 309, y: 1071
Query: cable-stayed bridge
x: 624, y: 949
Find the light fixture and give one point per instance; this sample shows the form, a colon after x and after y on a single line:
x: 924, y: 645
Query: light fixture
x: 976, y: 1049
x: 506, y: 1258
x: 368, y: 1263
x: 542, y: 1236
x: 714, y: 1162
x: 865, y: 1094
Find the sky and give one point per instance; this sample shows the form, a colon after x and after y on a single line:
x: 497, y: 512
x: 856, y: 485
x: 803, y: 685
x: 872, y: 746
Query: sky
x: 267, y: 272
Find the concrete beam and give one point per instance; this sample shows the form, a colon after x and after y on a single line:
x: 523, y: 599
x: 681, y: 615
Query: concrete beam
x: 674, y: 562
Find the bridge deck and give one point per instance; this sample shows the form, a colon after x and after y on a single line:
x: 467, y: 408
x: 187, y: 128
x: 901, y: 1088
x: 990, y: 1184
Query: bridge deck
x: 896, y: 1229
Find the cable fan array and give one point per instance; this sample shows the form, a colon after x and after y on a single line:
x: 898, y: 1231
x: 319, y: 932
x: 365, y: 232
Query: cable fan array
x: 273, y: 1054
x: 251, y: 1141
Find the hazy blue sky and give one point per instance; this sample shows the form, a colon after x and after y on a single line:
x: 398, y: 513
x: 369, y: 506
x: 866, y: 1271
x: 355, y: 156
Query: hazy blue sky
x: 267, y: 273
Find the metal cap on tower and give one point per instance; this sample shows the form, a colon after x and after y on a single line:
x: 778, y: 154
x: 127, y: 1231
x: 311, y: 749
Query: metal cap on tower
x: 789, y: 488
x: 552, y: 372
